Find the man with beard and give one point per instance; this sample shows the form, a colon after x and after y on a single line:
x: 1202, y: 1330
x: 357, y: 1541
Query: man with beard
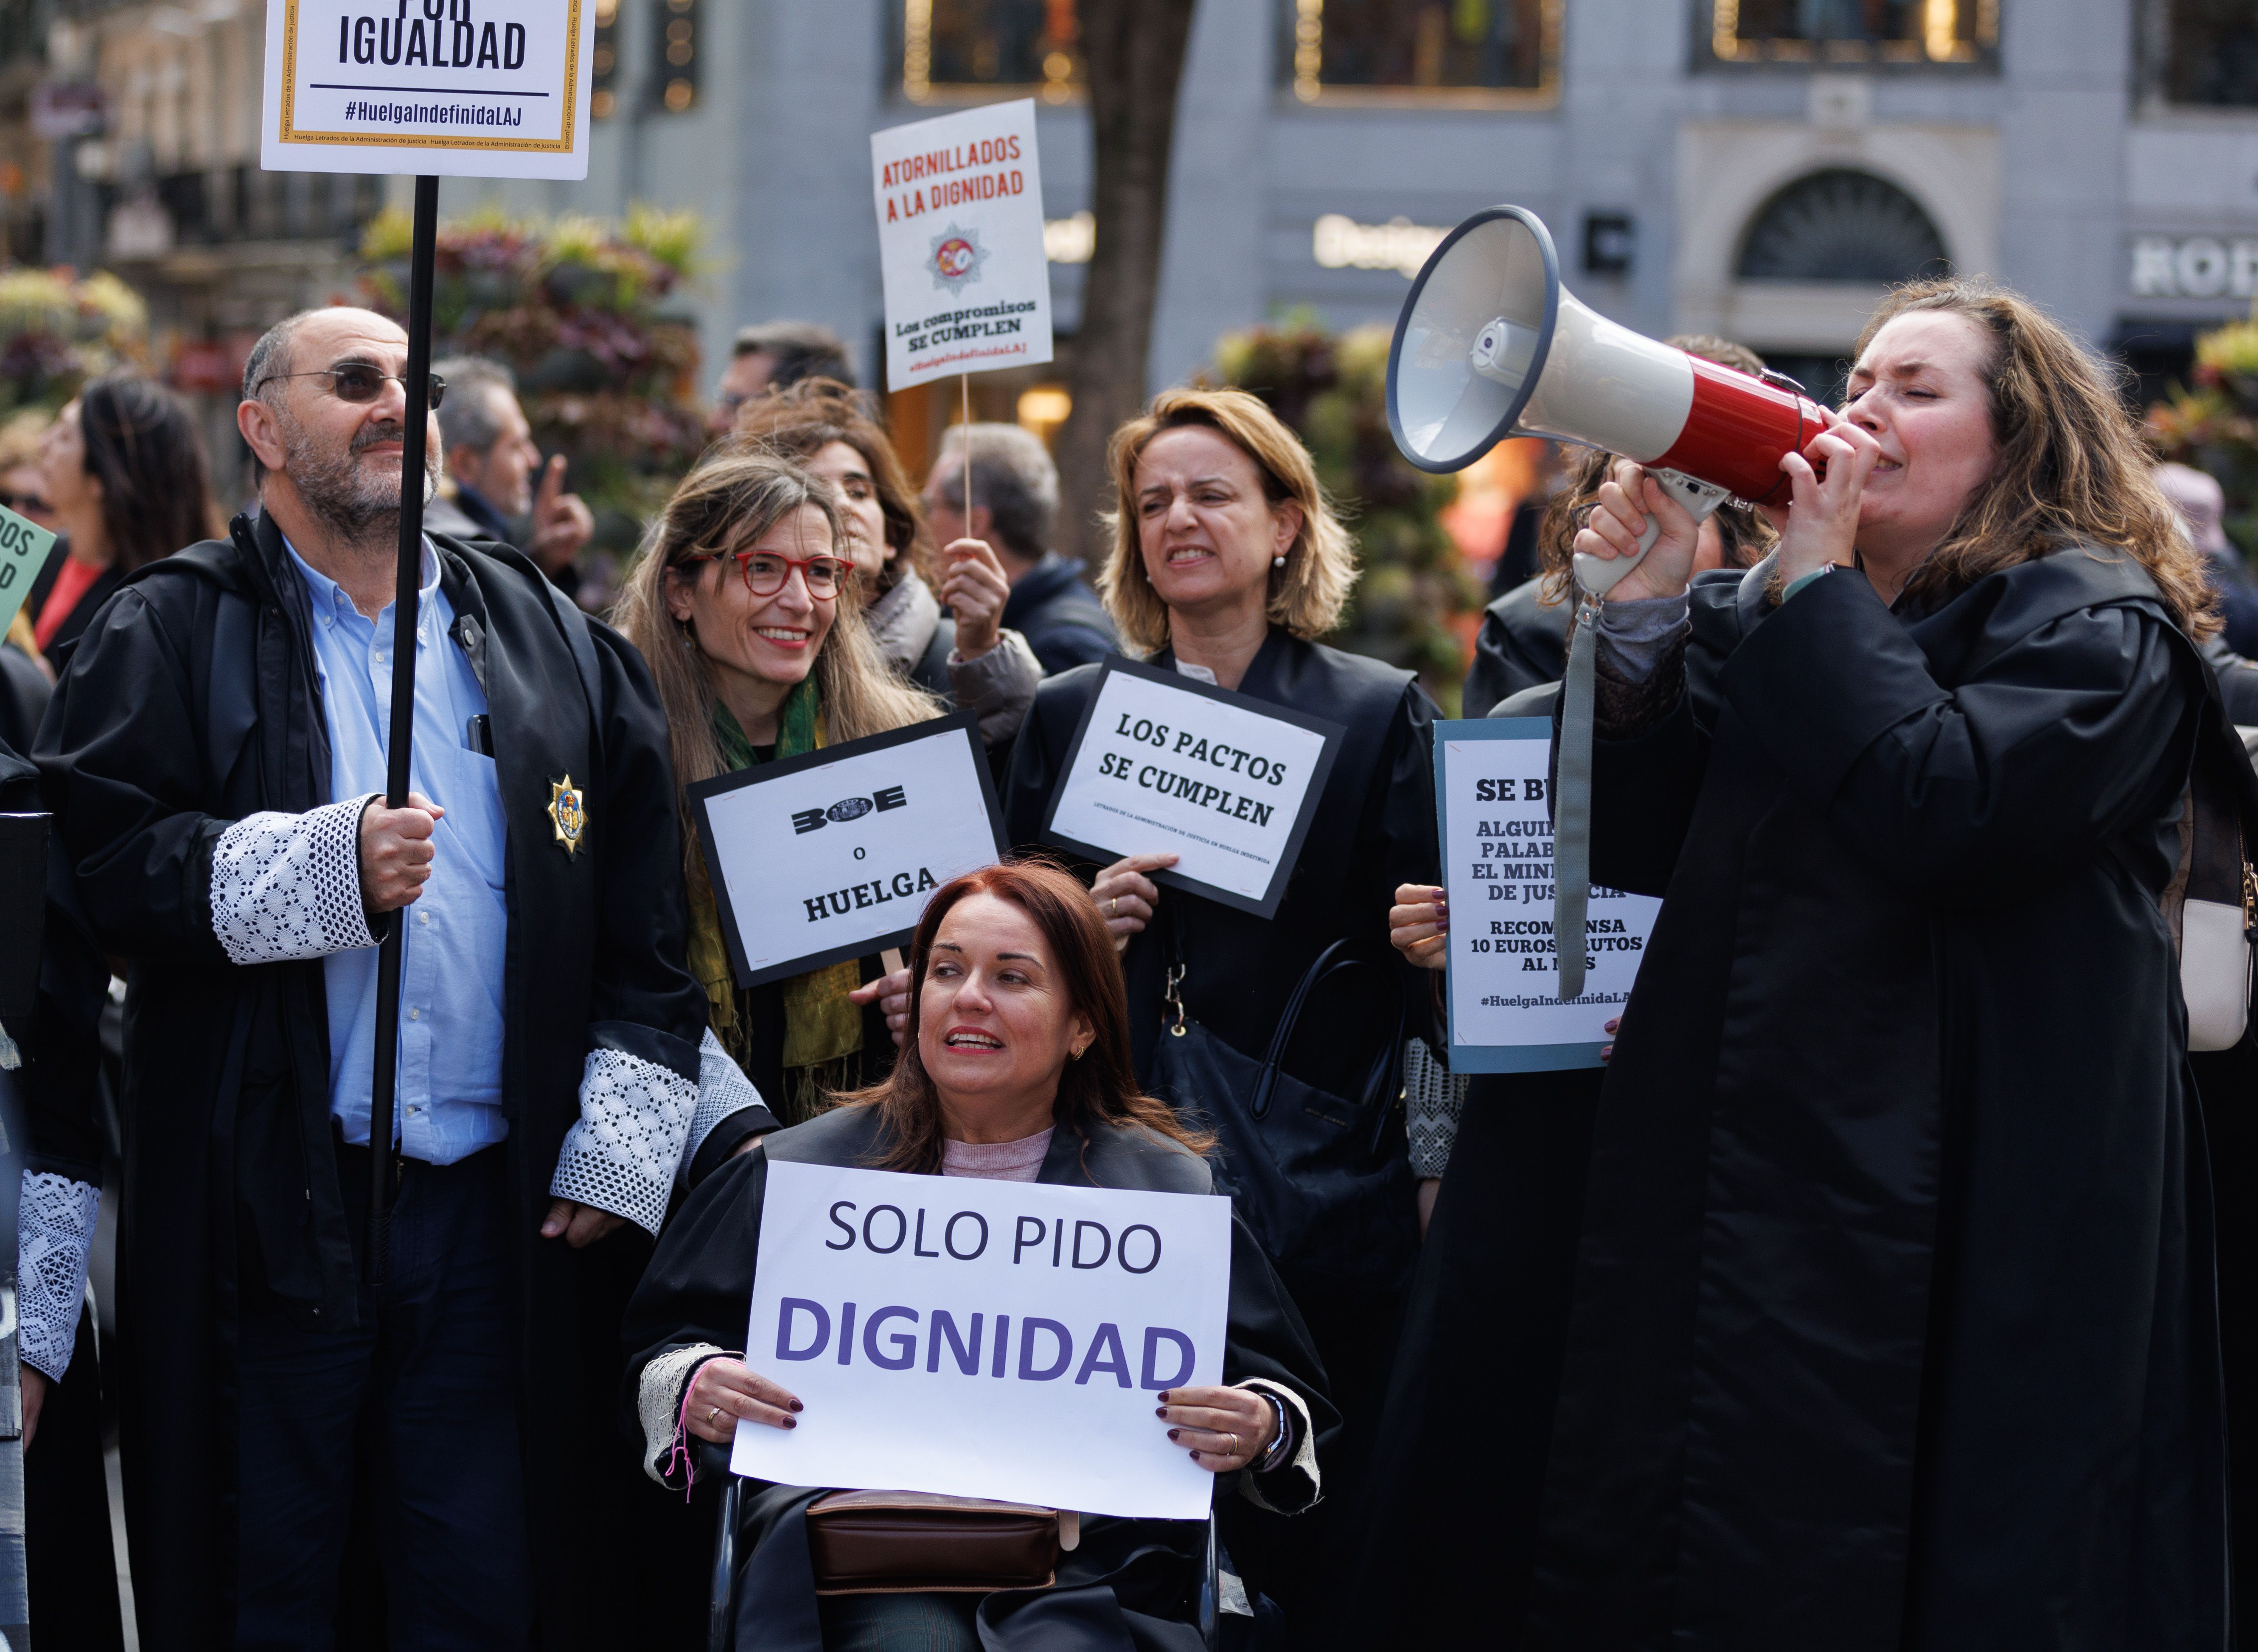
x: 215, y: 760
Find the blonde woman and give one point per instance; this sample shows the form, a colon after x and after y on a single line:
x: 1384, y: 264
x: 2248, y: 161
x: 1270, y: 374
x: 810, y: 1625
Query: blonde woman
x: 1227, y: 565
x: 744, y: 604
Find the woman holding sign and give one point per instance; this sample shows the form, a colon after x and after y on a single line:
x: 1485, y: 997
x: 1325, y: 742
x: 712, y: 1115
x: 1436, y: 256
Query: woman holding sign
x: 1227, y: 564
x: 1895, y: 1319
x: 744, y: 604
x: 1015, y: 1066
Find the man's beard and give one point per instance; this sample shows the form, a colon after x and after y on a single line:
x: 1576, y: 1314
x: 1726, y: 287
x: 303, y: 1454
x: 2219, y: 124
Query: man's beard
x: 357, y: 503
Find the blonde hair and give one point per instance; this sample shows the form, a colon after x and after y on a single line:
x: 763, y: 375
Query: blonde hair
x: 728, y: 502
x: 1306, y: 595
x: 2071, y: 468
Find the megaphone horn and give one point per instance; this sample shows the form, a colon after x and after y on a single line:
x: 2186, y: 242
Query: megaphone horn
x: 1491, y: 346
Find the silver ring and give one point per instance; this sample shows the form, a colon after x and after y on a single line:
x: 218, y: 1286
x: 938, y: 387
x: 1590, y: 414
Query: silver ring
x: 711, y: 1412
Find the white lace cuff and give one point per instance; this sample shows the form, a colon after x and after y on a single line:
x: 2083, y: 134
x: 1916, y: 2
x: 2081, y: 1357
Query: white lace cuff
x: 723, y: 1090
x: 287, y: 886
x: 622, y: 1154
x: 1295, y: 1484
x: 54, y: 1231
x: 659, y: 1402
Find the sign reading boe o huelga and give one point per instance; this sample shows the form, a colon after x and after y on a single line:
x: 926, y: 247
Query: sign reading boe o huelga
x: 1504, y: 974
x: 960, y: 205
x: 832, y: 854
x: 985, y: 1338
x: 478, y: 89
x: 1164, y: 763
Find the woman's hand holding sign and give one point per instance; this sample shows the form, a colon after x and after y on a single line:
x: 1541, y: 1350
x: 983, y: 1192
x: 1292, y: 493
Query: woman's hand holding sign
x: 1127, y: 896
x: 1419, y: 925
x: 974, y: 591
x: 1223, y: 1429
x: 725, y: 1390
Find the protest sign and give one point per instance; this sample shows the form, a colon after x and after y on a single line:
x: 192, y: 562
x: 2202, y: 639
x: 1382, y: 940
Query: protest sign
x: 983, y: 1339
x: 1506, y: 1017
x: 23, y: 548
x: 476, y: 88
x: 1165, y: 763
x: 960, y: 203
x: 832, y: 854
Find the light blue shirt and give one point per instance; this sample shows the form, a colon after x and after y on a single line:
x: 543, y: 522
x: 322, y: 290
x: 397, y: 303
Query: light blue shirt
x: 457, y: 929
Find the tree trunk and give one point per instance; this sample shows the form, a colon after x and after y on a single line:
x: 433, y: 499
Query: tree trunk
x: 1134, y: 55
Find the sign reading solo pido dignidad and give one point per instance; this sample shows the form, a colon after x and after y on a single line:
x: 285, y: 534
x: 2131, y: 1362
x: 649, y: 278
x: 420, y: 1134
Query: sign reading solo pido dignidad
x: 481, y: 88
x: 985, y: 1338
x: 960, y: 206
x: 1493, y: 790
x: 1164, y: 763
x: 832, y: 854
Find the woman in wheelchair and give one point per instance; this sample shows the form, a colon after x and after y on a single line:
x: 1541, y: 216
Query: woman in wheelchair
x: 1015, y: 1065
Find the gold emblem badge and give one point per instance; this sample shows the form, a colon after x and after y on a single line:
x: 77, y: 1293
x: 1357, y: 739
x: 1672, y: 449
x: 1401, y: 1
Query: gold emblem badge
x: 568, y: 811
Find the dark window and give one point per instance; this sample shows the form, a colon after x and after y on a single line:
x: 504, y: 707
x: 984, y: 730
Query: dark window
x: 604, y: 65
x: 1839, y: 226
x: 2212, y: 54
x: 990, y: 44
x: 1854, y: 32
x: 675, y: 44
x: 1427, y: 45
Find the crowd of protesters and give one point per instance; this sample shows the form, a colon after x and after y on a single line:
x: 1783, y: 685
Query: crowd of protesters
x: 1873, y: 1292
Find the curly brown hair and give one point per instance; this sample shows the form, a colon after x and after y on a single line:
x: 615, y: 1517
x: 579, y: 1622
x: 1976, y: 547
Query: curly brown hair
x: 1100, y: 1088
x: 803, y: 419
x: 2071, y: 469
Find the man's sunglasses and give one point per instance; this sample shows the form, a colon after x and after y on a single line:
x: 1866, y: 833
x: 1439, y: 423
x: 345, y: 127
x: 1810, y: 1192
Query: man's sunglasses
x: 356, y: 382
x: 764, y: 572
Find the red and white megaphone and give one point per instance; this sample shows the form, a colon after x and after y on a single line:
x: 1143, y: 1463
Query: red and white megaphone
x: 1491, y: 346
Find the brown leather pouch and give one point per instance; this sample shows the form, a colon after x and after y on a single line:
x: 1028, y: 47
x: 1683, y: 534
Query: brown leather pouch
x: 898, y: 1542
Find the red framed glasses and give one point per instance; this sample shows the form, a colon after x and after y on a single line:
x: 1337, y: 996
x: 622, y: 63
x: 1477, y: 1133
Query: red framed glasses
x: 764, y: 572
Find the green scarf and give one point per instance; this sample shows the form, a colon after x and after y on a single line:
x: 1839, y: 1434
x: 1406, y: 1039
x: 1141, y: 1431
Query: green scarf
x: 822, y: 1028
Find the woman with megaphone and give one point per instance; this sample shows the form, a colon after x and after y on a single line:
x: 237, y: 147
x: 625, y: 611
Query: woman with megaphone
x: 1894, y: 1318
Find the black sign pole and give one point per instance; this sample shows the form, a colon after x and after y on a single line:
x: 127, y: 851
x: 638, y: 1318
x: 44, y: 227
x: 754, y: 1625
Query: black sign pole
x: 404, y: 617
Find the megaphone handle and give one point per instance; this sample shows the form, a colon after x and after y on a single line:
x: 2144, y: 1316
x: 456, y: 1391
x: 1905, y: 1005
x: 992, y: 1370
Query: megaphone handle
x: 1598, y: 575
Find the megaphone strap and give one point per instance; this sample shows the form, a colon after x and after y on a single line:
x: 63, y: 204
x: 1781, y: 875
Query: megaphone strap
x: 1572, y: 805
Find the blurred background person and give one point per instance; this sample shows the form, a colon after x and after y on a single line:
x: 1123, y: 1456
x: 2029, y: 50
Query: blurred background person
x: 1523, y: 640
x: 1015, y: 504
x: 491, y: 458
x: 743, y: 602
x: 124, y: 474
x: 25, y: 678
x: 965, y: 657
x: 775, y: 356
x: 1519, y: 562
x: 2200, y: 503
x: 23, y: 483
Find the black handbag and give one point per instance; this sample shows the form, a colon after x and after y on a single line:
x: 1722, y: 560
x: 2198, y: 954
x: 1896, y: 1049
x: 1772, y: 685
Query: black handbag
x: 1323, y: 1180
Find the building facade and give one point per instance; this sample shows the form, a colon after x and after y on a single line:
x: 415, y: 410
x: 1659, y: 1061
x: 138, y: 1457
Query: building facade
x: 1758, y: 168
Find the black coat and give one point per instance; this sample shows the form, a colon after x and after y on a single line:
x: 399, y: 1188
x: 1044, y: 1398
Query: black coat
x: 1523, y: 643
x: 1060, y: 617
x: 1133, y: 1582
x: 83, y: 612
x: 191, y: 702
x: 1894, y: 1319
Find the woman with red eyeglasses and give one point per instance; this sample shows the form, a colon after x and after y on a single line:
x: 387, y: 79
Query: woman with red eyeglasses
x: 744, y: 602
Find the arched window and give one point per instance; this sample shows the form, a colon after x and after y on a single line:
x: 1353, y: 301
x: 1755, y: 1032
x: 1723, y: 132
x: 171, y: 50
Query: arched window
x: 1841, y: 226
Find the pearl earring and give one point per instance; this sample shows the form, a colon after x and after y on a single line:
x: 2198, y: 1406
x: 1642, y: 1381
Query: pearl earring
x: 1277, y: 562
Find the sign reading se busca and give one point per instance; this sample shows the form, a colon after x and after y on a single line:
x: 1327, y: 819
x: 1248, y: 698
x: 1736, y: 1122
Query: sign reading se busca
x: 486, y: 88
x: 959, y: 202
x: 900, y: 1310
x: 832, y: 854
x: 1493, y: 783
x: 1164, y: 763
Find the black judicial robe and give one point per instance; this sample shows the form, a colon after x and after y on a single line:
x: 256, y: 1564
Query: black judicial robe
x: 1373, y: 828
x: 192, y: 701
x: 1132, y: 1583
x: 1894, y: 1319
x: 1522, y: 642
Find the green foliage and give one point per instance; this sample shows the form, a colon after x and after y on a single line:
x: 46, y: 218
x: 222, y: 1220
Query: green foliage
x: 1412, y: 584
x: 574, y: 308
x: 2214, y: 425
x: 58, y: 329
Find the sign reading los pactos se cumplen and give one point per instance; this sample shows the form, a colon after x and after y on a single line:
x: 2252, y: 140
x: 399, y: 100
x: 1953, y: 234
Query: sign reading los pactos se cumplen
x: 487, y: 88
x: 832, y: 854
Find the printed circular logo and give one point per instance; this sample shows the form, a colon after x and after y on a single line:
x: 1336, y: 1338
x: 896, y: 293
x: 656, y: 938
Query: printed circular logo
x: 957, y: 256
x: 849, y: 809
